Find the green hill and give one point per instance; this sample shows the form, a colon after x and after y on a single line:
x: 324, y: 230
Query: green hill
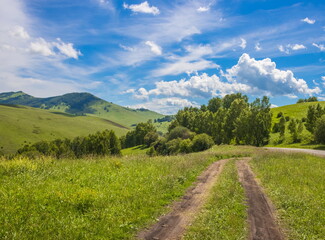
x: 82, y: 104
x: 297, y: 111
x: 20, y: 125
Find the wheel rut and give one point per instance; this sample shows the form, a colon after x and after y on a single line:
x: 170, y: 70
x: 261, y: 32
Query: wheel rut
x: 261, y: 217
x: 173, y: 224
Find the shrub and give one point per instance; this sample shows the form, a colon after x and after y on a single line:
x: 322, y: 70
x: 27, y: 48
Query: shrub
x: 319, y: 132
x: 202, y: 142
x: 151, y: 152
x: 173, y: 146
x: 180, y: 132
x: 280, y: 114
x: 287, y: 118
x: 185, y: 146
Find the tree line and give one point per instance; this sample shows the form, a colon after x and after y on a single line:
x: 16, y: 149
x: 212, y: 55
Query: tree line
x: 100, y: 144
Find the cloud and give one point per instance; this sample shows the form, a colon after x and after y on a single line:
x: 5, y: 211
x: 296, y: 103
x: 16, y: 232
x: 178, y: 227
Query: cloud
x: 294, y: 47
x: 203, y: 86
x: 67, y: 49
x: 203, y: 9
x: 258, y: 47
x: 274, y: 106
x: 323, y: 78
x: 243, y: 43
x: 40, y: 46
x: 20, y: 32
x: 166, y: 105
x: 264, y: 75
x: 320, y: 46
x: 309, y: 21
x: 154, y: 47
x: 191, y: 62
x: 142, y: 8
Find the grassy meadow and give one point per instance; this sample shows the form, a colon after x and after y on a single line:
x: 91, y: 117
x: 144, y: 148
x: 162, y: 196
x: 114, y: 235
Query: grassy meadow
x: 105, y: 198
x: 114, y: 198
x: 21, y: 125
x: 296, y: 185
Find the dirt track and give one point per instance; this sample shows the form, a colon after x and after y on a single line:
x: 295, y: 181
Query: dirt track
x: 261, y: 217
x: 173, y: 225
x: 320, y: 153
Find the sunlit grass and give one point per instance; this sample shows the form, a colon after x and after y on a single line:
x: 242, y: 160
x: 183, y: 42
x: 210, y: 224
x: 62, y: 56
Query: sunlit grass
x: 296, y: 185
x: 108, y: 198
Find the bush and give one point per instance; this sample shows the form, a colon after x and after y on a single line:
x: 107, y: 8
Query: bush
x: 180, y: 132
x: 185, y: 146
x: 151, y: 152
x: 202, y: 142
x: 319, y: 132
x: 280, y: 114
x: 173, y: 146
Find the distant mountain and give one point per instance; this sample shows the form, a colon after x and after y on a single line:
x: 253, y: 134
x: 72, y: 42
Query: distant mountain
x: 82, y: 104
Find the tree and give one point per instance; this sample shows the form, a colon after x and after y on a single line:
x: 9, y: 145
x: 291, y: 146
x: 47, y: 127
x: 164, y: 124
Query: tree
x: 292, y: 127
x: 282, y: 127
x: 319, y: 132
x: 180, y: 132
x: 313, y: 114
x: 150, y: 138
x: 214, y: 104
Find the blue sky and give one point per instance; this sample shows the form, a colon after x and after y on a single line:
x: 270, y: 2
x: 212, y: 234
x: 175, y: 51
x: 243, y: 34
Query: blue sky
x: 164, y: 55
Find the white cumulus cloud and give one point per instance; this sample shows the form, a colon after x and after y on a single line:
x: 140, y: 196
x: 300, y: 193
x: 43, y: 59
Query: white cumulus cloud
x: 309, y: 21
x: 40, y: 46
x: 154, y: 47
x: 264, y: 75
x: 67, y: 49
x: 319, y: 46
x: 258, y: 47
x: 142, y: 8
x: 296, y: 47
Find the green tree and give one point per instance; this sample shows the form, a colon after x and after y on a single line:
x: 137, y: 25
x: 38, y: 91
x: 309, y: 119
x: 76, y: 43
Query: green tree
x: 319, y: 132
x: 214, y: 104
x: 292, y: 127
x: 202, y: 142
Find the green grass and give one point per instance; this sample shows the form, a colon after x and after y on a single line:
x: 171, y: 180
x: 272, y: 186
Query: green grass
x: 224, y: 216
x: 123, y: 115
x: 22, y: 125
x: 134, y: 151
x: 108, y: 198
x: 296, y: 185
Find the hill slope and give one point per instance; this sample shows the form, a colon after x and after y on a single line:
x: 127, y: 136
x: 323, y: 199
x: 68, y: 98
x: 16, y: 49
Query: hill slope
x: 82, y: 104
x: 297, y: 111
x: 20, y: 125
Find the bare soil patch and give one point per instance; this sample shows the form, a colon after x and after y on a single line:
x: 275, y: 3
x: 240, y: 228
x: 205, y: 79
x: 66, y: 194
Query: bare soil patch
x: 173, y: 224
x: 261, y: 213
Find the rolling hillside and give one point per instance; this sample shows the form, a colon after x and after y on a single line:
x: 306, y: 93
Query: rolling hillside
x: 297, y: 111
x: 20, y: 125
x: 82, y: 104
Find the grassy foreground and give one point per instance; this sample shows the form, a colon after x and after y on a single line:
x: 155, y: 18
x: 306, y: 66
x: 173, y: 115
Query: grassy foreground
x: 107, y: 198
x: 296, y: 185
x: 224, y: 216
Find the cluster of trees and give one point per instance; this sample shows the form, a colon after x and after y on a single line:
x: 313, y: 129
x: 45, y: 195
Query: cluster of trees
x: 229, y: 120
x: 167, y: 118
x: 177, y: 140
x: 315, y: 122
x: 310, y: 99
x: 100, y: 143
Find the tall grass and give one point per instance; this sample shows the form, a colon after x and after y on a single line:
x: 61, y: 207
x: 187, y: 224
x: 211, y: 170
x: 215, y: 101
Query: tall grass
x: 108, y: 198
x: 296, y: 185
x: 224, y: 216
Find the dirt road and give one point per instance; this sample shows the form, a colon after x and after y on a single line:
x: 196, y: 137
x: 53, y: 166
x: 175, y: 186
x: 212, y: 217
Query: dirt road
x: 320, y: 153
x: 261, y: 216
x: 173, y: 225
